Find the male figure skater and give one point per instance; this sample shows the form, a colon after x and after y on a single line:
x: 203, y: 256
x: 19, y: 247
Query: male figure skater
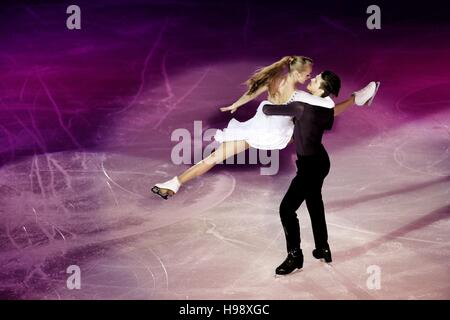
x: 313, y: 165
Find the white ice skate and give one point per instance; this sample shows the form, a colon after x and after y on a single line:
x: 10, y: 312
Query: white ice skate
x: 365, y: 95
x: 172, y: 185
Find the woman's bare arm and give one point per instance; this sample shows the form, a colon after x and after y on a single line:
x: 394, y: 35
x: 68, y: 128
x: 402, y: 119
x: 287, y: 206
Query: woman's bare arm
x: 243, y: 100
x: 249, y: 97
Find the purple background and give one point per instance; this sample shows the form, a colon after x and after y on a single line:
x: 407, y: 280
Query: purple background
x: 61, y: 89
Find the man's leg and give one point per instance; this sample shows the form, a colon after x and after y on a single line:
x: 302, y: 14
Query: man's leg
x: 316, y: 208
x: 288, y: 207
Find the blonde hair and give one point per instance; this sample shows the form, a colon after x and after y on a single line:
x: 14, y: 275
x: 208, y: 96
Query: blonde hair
x: 273, y: 74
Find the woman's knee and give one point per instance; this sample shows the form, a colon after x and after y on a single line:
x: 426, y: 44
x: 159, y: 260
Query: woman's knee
x: 215, y: 157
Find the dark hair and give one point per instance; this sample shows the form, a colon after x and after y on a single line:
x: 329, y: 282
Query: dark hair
x: 331, y: 83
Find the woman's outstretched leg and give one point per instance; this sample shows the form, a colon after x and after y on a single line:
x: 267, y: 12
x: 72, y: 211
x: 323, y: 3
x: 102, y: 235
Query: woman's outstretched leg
x: 224, y: 151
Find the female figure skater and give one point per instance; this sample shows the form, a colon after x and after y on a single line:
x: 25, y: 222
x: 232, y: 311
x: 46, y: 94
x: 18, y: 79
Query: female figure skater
x: 264, y: 132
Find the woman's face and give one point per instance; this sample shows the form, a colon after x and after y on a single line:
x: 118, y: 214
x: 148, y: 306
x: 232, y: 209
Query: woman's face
x: 301, y: 77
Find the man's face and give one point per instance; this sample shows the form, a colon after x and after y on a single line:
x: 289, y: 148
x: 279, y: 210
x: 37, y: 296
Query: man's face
x: 315, y: 83
x: 304, y: 75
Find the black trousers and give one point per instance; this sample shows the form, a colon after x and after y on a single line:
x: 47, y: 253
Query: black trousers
x: 306, y: 185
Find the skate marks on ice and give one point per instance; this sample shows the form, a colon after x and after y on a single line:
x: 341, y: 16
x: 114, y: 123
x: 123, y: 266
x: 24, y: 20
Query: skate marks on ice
x: 87, y: 208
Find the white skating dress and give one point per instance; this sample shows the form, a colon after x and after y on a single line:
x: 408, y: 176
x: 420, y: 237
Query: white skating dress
x: 268, y: 132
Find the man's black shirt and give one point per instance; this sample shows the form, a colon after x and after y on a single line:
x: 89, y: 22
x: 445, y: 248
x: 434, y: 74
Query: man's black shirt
x: 310, y: 123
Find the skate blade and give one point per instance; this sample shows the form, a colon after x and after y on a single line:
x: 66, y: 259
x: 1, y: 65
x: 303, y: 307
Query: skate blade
x: 280, y: 276
x: 374, y: 94
x: 157, y: 190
